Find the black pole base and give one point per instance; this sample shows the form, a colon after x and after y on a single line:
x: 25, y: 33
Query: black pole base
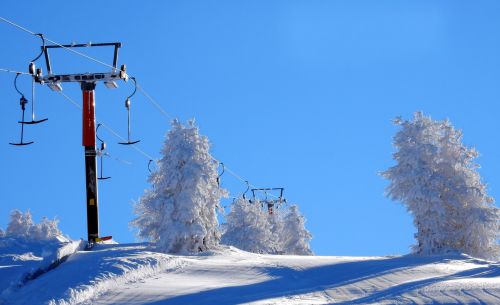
x: 92, y: 208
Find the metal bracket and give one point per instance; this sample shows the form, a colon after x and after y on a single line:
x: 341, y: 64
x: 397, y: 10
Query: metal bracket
x: 84, y: 77
x: 108, y: 78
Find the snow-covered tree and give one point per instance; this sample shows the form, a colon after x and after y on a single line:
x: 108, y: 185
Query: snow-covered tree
x: 250, y: 227
x: 247, y: 227
x: 436, y: 178
x: 21, y: 225
x: 179, y: 212
x: 276, y: 222
x: 295, y: 236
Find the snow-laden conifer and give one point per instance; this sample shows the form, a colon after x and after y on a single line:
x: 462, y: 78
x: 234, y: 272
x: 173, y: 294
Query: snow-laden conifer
x: 247, y: 227
x: 250, y: 227
x: 276, y: 222
x: 179, y: 212
x: 436, y: 178
x: 295, y: 237
x: 21, y: 225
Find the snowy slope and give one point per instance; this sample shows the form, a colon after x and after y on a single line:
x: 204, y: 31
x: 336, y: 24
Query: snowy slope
x: 132, y: 274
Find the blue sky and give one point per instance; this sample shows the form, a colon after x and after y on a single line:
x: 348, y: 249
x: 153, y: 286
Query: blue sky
x: 298, y: 94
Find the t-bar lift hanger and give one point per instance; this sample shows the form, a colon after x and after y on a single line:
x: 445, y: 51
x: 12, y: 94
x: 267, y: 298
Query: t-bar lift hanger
x: 221, y: 173
x: 36, y: 74
x: 101, y: 153
x: 127, y: 105
x: 248, y: 188
x: 149, y: 166
x: 22, y: 101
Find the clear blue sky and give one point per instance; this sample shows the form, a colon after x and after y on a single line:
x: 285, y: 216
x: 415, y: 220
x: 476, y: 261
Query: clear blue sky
x: 298, y: 94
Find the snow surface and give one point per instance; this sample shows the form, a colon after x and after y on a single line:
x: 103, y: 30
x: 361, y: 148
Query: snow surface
x: 133, y: 274
x: 23, y: 260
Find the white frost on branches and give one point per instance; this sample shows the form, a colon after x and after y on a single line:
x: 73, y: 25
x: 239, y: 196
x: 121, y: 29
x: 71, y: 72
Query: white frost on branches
x: 250, y: 227
x: 436, y: 178
x: 21, y: 225
x: 247, y: 227
x: 179, y: 212
x: 295, y: 237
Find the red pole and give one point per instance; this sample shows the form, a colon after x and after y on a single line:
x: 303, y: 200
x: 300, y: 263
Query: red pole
x: 88, y: 120
x: 88, y: 141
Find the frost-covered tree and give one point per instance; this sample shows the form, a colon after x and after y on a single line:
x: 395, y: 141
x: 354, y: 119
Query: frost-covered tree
x: 276, y: 222
x: 436, y: 178
x: 179, y: 212
x: 21, y: 225
x: 248, y: 228
x: 295, y: 236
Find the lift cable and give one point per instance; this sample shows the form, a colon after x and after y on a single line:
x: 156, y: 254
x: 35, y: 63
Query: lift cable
x: 13, y: 71
x: 56, y: 43
x: 141, y: 89
x: 167, y: 115
x: 149, y: 157
x: 154, y: 102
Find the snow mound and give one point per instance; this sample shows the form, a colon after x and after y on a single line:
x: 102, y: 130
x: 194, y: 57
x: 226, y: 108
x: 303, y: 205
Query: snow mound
x: 23, y: 260
x: 88, y: 274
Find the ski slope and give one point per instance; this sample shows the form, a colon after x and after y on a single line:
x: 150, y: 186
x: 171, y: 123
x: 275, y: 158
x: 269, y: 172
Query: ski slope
x: 133, y: 274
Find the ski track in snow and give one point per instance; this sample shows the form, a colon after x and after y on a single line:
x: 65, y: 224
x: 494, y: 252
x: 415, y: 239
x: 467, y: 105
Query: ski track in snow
x: 132, y: 274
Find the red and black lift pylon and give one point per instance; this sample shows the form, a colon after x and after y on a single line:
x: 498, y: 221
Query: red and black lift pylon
x: 90, y: 150
x: 88, y: 82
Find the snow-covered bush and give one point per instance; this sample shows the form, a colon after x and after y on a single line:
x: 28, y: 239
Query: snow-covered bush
x: 295, y: 236
x: 21, y: 225
x: 250, y: 227
x: 179, y: 212
x: 436, y: 178
x: 47, y: 229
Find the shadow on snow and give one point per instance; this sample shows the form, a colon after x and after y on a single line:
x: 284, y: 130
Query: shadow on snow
x: 289, y: 282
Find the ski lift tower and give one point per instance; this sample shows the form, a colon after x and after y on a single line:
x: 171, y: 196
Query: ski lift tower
x: 88, y: 82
